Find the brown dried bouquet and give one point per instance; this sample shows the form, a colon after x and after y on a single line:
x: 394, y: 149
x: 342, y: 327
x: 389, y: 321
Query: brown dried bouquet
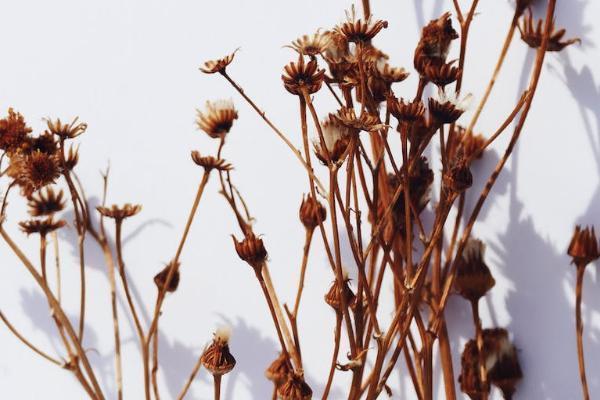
x: 369, y: 186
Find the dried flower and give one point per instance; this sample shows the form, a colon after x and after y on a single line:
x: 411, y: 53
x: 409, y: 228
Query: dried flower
x: 469, y: 379
x: 46, y: 202
x: 72, y: 158
x: 279, y: 370
x: 336, y: 138
x: 119, y: 213
x: 210, y: 162
x: 359, y: 31
x: 532, y: 34
x: 506, y: 372
x: 441, y: 74
x: 434, y: 43
x: 295, y: 388
x: 366, y: 121
x: 446, y: 109
x: 217, y: 119
x: 312, y: 213
x: 405, y: 112
x: 44, y: 143
x: 458, y: 177
x: 66, y: 131
x: 333, y: 297
x: 381, y: 77
x: 473, y: 277
x: 41, y: 226
x: 312, y: 45
x: 470, y: 146
x: 216, y: 358
x: 299, y: 75
x: 38, y: 170
x: 212, y: 66
x: 251, y: 249
x: 584, y: 246
x: 161, y: 278
x: 13, y: 131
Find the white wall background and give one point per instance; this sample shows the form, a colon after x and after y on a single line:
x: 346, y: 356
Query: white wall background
x: 129, y: 69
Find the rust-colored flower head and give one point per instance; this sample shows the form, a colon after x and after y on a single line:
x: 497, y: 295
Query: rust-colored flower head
x: 252, y: 250
x: 294, y: 388
x: 470, y: 145
x: 312, y: 45
x: 333, y: 297
x: 72, y: 157
x: 434, y: 43
x: 66, y: 131
x: 46, y: 202
x: 119, y: 213
x: 504, y: 369
x: 337, y: 48
x: 458, y: 177
x: 380, y: 78
x: 441, y: 74
x: 217, y: 118
x: 298, y: 76
x: 405, y: 112
x: 39, y: 169
x: 336, y: 137
x: 358, y: 30
x: 44, y: 143
x: 216, y: 358
x: 210, y: 162
x: 469, y: 379
x: 584, y: 246
x: 41, y: 226
x: 532, y: 34
x: 13, y: 131
x: 279, y: 370
x: 366, y: 121
x: 446, y: 109
x: 160, y: 279
x: 213, y: 66
x: 311, y: 212
x: 473, y: 277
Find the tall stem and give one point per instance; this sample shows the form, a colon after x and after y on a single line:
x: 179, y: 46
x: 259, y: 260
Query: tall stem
x: 579, y: 329
x: 336, y: 349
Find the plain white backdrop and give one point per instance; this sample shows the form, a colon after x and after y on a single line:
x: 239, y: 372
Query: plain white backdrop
x: 130, y: 70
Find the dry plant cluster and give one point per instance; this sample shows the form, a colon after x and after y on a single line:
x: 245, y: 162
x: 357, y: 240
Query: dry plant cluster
x: 368, y: 181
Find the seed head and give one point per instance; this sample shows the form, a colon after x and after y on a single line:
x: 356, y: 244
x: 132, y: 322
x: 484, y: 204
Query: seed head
x: 359, y: 31
x: 532, y: 34
x: 312, y: 45
x: 212, y: 66
x: 446, y: 109
x: 37, y: 170
x: 210, y: 162
x: 120, y: 213
x: 160, y: 279
x: 333, y: 297
x: 473, y: 277
x: 279, y: 370
x: 458, y: 177
x: 300, y: 75
x: 66, y: 131
x: 46, y: 202
x: 41, y: 226
x: 441, y: 74
x: 294, y: 388
x: 216, y: 358
x: 252, y: 250
x: 469, y: 379
x: 311, y: 213
x: 366, y: 121
x: 435, y: 42
x: 217, y: 119
x: 584, y: 246
x: 336, y: 137
x: 13, y: 131
x: 405, y: 112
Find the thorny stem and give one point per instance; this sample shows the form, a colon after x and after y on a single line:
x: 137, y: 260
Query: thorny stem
x: 579, y: 330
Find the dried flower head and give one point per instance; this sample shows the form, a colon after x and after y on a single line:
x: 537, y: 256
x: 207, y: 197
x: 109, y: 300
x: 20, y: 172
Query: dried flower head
x: 333, y: 297
x: 532, y: 34
x: 210, y: 162
x: 72, y: 158
x: 37, y: 170
x: 46, y: 202
x: 66, y: 131
x: 216, y: 358
x: 405, y: 112
x: 13, y: 131
x: 470, y: 145
x: 336, y: 138
x: 441, y: 74
x: 359, y: 31
x: 44, y: 143
x: 41, y: 226
x: 119, y: 213
x: 446, y: 109
x: 217, y: 119
x: 469, y: 379
x: 473, y: 277
x: 312, y: 45
x: 434, y: 43
x: 160, y: 279
x: 251, y: 249
x: 298, y: 76
x: 294, y: 388
x: 458, y: 178
x: 311, y: 213
x: 212, y: 66
x: 366, y: 121
x: 279, y: 370
x: 584, y: 246
x: 505, y: 373
x: 381, y: 77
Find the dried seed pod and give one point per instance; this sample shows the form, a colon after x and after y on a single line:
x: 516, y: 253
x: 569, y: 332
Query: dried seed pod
x: 470, y: 146
x: 380, y: 78
x: 294, y: 388
x: 584, y: 246
x: 458, y: 177
x: 299, y: 75
x: 506, y: 372
x: 279, y: 370
x: 46, y: 202
x: 13, y: 131
x: 210, y: 162
x: 336, y: 137
x: 252, y: 250
x: 41, y: 226
x: 161, y: 278
x: 359, y: 31
x: 66, y: 131
x: 217, y: 358
x: 469, y: 379
x: 333, y: 297
x: 532, y: 34
x: 434, y: 43
x: 212, y: 66
x: 473, y: 277
x: 217, y: 119
x: 311, y: 213
x: 119, y: 213
x: 312, y: 45
x: 446, y: 109
x: 366, y: 121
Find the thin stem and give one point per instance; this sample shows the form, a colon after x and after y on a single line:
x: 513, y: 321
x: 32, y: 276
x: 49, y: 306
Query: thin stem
x: 217, y: 381
x: 57, y: 263
x: 190, y: 378
x: 579, y: 330
x: 307, y: 242
x: 336, y: 349
x: 480, y: 354
x: 115, y: 317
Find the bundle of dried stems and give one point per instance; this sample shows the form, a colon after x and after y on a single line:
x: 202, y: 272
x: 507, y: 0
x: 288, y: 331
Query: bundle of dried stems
x: 369, y: 191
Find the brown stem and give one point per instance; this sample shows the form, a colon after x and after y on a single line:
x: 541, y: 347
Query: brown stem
x: 117, y: 338
x: 307, y: 242
x: 217, y: 379
x: 480, y: 354
x: 336, y: 349
x: 579, y: 330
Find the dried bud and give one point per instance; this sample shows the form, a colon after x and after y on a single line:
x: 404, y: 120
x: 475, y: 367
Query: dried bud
x: 458, y: 177
x: 41, y: 226
x: 216, y: 358
x: 334, y: 295
x: 46, y: 203
x: 13, y: 131
x: 336, y: 137
x: 119, y: 213
x: 210, y: 162
x: 72, y: 158
x: 312, y: 213
x: 359, y: 31
x: 161, y: 278
x: 469, y: 379
x: 299, y: 75
x: 435, y: 42
x: 584, y: 246
x: 251, y: 249
x: 279, y: 370
x: 312, y: 45
x: 446, y: 109
x: 295, y: 388
x: 505, y: 370
x: 212, y: 66
x: 66, y: 131
x: 532, y: 34
x: 217, y: 119
x: 473, y: 277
